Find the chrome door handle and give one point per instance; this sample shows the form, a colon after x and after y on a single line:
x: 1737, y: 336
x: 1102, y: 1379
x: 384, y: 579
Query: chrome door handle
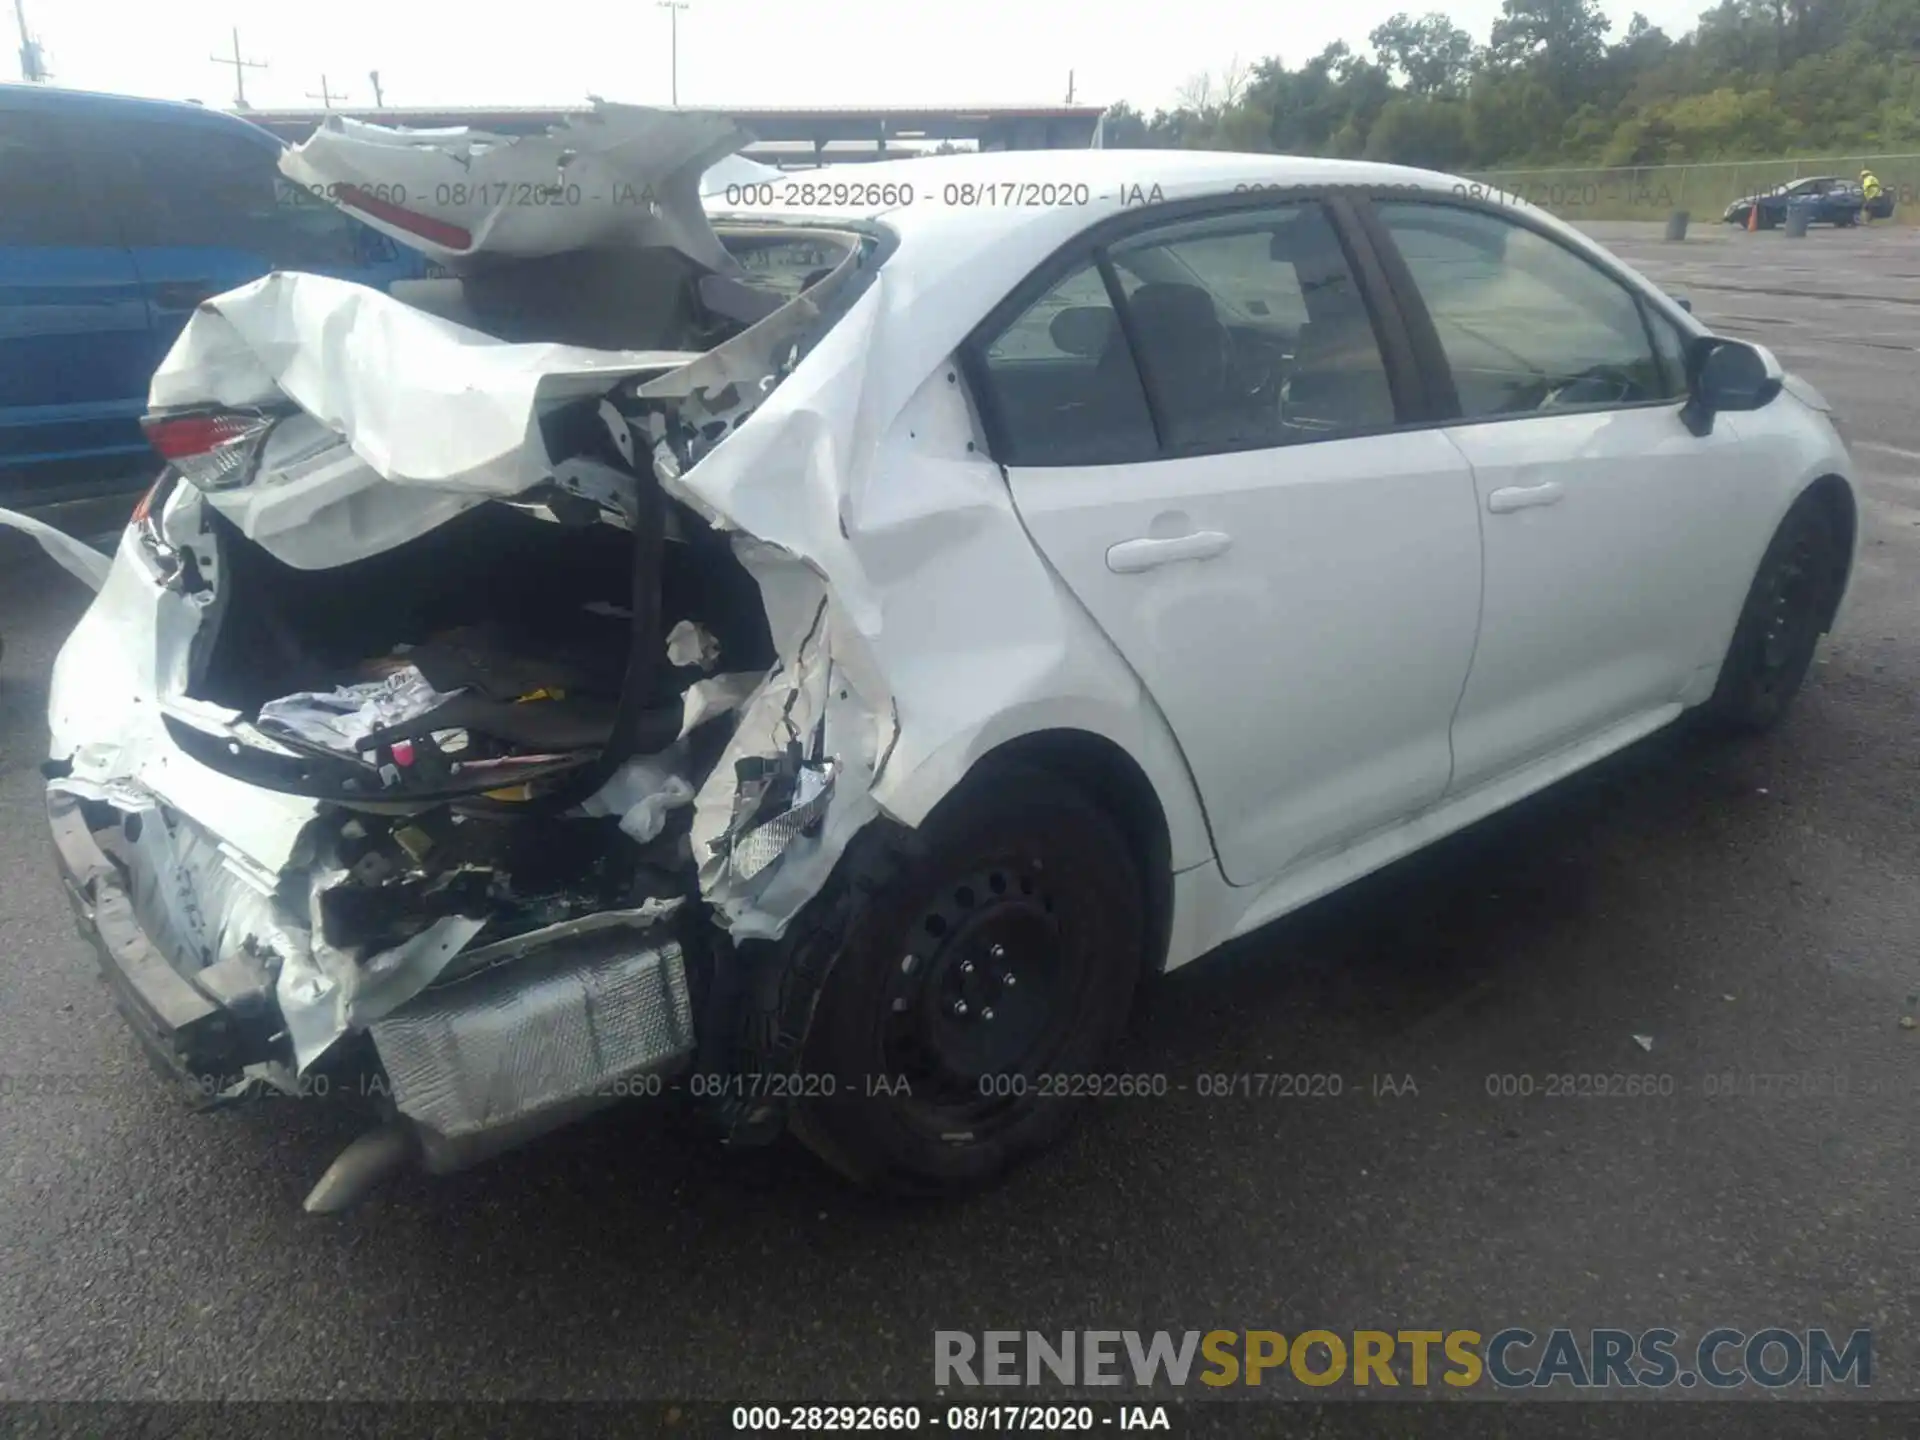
x: 1522, y: 497
x: 1130, y: 556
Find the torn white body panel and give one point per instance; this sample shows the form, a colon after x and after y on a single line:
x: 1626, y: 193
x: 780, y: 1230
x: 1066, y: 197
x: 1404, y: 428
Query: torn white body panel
x: 620, y: 176
x: 843, y: 458
x: 104, y: 717
x: 421, y: 400
x: 325, y: 501
x: 76, y: 557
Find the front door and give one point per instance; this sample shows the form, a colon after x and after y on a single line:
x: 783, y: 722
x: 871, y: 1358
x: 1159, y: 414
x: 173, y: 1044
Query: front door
x: 1604, y: 587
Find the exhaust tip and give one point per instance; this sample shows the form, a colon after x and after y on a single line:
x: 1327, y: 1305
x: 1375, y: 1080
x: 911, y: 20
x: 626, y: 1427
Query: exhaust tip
x: 360, y: 1168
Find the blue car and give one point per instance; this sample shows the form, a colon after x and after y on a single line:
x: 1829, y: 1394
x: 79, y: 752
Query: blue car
x: 1829, y: 200
x: 117, y: 217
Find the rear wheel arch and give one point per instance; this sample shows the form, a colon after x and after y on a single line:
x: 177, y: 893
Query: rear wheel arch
x: 761, y: 1013
x: 1114, y: 781
x: 900, y: 972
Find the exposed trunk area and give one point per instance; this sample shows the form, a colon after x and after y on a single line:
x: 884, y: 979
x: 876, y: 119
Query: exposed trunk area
x: 496, y: 599
x: 544, y: 647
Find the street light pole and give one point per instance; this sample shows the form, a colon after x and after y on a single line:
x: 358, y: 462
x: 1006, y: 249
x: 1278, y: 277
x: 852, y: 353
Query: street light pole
x: 240, y: 68
x: 673, y: 9
x: 33, y: 67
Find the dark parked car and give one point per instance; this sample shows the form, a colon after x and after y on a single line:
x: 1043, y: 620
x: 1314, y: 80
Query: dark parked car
x: 1831, y: 200
x: 117, y: 217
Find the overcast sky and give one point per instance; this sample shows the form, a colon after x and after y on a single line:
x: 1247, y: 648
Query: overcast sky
x: 732, y: 52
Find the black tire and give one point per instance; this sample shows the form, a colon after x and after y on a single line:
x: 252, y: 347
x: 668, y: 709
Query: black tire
x: 1785, y: 614
x: 1018, y: 873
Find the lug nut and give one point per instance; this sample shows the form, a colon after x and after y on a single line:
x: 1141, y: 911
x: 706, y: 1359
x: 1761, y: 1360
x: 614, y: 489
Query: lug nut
x: 959, y: 1007
x: 998, y: 952
x: 1007, y: 981
x: 986, y: 1012
x: 966, y: 967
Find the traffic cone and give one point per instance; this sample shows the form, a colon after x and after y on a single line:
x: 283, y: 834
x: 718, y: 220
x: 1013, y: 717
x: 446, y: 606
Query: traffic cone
x: 1753, y: 216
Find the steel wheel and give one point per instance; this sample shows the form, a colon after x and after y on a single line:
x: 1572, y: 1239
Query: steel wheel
x: 1000, y: 958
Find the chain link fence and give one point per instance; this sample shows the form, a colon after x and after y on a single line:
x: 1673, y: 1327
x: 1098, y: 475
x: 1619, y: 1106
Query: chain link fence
x: 1652, y: 192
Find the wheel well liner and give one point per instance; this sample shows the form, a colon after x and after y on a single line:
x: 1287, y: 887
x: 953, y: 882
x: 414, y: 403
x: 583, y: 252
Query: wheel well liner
x: 1114, y: 781
x: 1832, y: 492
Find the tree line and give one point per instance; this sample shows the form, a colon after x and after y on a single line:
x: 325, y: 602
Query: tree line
x: 1554, y: 85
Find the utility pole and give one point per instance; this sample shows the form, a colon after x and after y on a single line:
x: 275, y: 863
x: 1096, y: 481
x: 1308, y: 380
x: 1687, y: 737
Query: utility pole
x: 33, y: 65
x: 326, y: 97
x: 1069, y: 87
x: 673, y: 9
x: 240, y: 68
x: 379, y: 99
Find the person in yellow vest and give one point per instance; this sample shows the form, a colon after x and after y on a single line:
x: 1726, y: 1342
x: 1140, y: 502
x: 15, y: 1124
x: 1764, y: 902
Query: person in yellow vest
x: 1870, y: 187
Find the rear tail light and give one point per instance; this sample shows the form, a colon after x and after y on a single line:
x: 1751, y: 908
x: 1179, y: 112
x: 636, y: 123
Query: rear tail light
x: 214, y: 449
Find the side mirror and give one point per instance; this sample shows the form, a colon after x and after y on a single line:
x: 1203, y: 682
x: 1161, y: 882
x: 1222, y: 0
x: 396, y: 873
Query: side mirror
x: 1727, y: 375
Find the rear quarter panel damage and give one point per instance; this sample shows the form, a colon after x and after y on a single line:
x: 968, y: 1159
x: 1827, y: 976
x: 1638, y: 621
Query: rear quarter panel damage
x: 865, y: 488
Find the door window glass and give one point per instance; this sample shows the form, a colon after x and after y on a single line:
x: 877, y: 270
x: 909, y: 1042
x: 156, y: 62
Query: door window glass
x: 1252, y: 330
x: 205, y: 186
x: 1526, y: 325
x: 1063, y: 383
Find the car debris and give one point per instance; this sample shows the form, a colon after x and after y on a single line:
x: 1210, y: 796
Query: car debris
x: 356, y: 803
x: 800, y: 701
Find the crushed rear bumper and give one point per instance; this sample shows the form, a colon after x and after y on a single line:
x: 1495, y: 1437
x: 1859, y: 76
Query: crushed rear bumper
x: 564, y: 1022
x: 193, y: 1039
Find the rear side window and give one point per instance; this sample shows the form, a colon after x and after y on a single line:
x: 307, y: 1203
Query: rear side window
x: 206, y: 186
x: 1062, y: 382
x: 45, y: 197
x: 1527, y: 326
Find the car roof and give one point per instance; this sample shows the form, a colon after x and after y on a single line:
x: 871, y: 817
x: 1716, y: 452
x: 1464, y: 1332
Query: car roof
x: 1114, y: 178
x: 1001, y: 211
x: 956, y: 254
x: 123, y: 109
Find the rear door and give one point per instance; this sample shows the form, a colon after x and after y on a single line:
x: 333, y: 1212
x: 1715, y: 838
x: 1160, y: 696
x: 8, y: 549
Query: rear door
x: 1200, y: 420
x: 1607, y: 577
x: 74, y: 337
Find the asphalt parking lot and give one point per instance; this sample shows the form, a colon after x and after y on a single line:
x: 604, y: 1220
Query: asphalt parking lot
x: 1754, y: 912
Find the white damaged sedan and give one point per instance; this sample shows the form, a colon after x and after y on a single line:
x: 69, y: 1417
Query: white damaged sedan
x: 823, y: 649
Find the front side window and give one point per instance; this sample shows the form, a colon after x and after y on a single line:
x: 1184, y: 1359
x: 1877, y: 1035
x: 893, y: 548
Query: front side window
x: 205, y: 186
x: 1252, y: 330
x: 1062, y: 382
x: 1527, y: 326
